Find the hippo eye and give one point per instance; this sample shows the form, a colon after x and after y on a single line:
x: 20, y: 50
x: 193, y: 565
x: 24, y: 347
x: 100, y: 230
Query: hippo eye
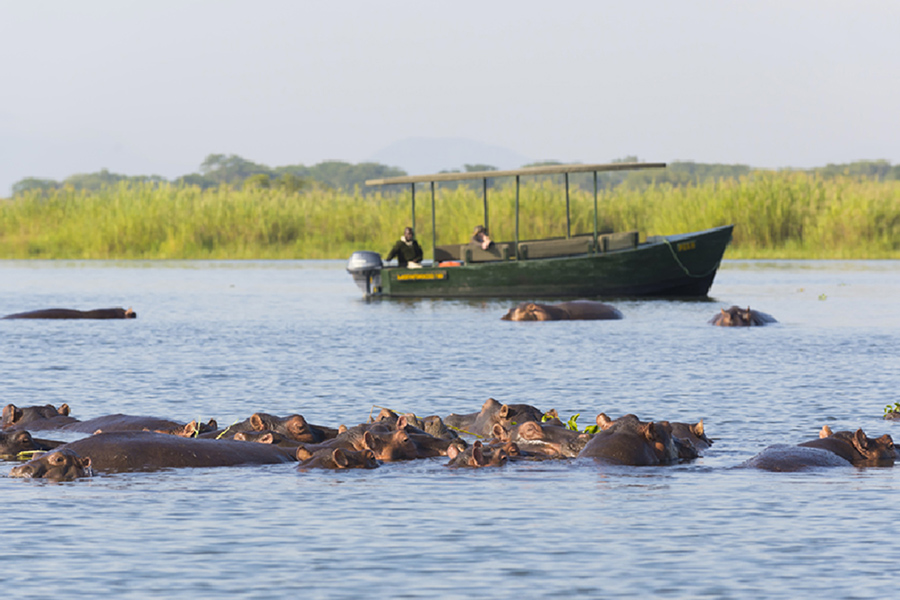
x: 57, y: 459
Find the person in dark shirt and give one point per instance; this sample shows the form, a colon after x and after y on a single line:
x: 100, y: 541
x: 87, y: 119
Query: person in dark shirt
x: 407, y: 250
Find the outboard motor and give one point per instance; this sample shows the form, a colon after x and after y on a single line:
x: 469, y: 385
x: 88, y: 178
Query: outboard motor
x: 365, y: 267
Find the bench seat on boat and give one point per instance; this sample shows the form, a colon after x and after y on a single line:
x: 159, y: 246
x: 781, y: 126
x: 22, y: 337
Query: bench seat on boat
x: 531, y: 249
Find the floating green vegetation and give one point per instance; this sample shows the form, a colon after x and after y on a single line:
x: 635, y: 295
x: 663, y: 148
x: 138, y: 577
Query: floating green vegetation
x: 776, y: 215
x: 892, y: 408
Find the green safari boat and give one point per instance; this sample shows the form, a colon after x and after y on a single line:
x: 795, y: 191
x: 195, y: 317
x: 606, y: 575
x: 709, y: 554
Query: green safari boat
x: 584, y: 265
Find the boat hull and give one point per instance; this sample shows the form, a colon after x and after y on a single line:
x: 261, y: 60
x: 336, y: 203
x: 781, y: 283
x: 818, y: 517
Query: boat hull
x: 678, y: 265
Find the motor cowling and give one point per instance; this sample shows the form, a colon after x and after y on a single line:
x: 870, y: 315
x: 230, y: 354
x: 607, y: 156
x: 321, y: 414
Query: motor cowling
x: 365, y: 267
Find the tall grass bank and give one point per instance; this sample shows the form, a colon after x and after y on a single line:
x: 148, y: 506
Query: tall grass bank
x: 776, y: 215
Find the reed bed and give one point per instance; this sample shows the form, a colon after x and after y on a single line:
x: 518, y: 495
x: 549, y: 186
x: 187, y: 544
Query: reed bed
x: 777, y: 215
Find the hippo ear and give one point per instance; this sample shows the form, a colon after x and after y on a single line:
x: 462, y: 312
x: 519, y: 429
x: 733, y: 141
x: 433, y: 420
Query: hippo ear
x: 11, y: 414
x: 191, y: 429
x: 860, y: 441
x: 504, y: 411
x: 477, y: 454
x: 825, y: 432
x: 530, y: 430
x: 342, y: 429
x: 697, y: 428
x: 370, y: 441
x: 499, y: 432
x: 240, y: 436
x: 266, y: 438
x: 402, y: 422
x: 256, y: 422
x: 296, y: 425
x: 63, y: 410
x: 302, y: 453
x: 648, y: 430
x: 340, y: 458
x: 212, y: 424
x: 453, y: 451
x: 86, y: 464
x: 603, y: 421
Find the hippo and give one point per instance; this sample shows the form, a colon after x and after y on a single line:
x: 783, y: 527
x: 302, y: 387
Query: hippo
x: 477, y: 455
x: 63, y: 464
x: 630, y: 441
x: 39, y: 418
x: 689, y: 438
x: 543, y: 439
x: 18, y: 443
x: 481, y: 424
x: 581, y: 310
x: 35, y: 417
x: 294, y: 427
x: 739, y: 317
x: 337, y: 458
x: 127, y: 451
x: 69, y: 313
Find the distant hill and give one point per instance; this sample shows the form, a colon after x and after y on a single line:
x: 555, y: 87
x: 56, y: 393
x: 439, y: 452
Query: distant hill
x: 420, y: 156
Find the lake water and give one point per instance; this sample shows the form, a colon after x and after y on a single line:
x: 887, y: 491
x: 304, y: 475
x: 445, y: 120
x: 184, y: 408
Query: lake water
x: 226, y: 339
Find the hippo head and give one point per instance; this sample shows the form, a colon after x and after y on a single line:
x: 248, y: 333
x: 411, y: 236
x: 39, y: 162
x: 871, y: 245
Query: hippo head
x: 874, y: 449
x: 477, y: 456
x: 12, y: 414
x: 659, y: 436
x: 60, y: 465
x: 734, y: 317
x: 527, y: 311
x: 391, y: 446
x: 352, y: 459
x: 11, y: 444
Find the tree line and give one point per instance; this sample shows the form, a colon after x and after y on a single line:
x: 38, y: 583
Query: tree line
x: 232, y: 170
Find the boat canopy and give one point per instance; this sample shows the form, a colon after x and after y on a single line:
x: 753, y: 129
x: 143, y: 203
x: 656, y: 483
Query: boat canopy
x: 517, y: 173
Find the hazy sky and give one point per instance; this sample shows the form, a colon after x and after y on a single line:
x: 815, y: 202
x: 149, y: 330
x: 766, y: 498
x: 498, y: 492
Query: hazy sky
x: 155, y: 86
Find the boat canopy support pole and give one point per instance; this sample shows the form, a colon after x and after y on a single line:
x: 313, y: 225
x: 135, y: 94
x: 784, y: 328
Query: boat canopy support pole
x: 517, y: 217
x: 568, y: 219
x: 595, y: 212
x: 433, y: 230
x: 413, y: 188
x: 486, y: 220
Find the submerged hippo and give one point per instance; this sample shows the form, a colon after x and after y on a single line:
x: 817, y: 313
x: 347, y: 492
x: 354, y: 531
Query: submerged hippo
x: 481, y: 424
x: 565, y: 311
x: 293, y: 427
x: 831, y: 449
x: 337, y: 458
x: 477, y: 455
x: 126, y: 451
x: 17, y: 443
x: 553, y: 441
x: 630, y: 441
x: 70, y: 313
x: 740, y: 317
x: 37, y: 418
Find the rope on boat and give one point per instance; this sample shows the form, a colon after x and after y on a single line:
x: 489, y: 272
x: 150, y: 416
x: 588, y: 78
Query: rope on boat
x: 685, y: 269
